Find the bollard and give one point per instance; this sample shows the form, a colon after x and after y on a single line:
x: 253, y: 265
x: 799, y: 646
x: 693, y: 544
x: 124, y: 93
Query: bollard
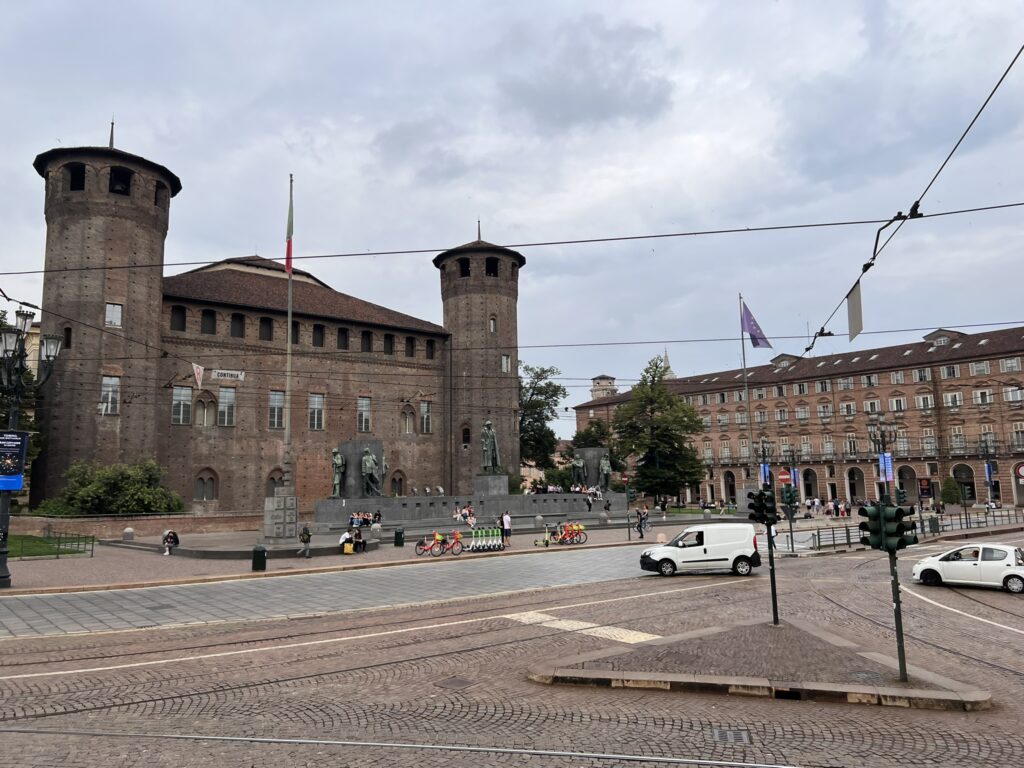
x: 603, y: 518
x: 128, y: 534
x: 259, y: 558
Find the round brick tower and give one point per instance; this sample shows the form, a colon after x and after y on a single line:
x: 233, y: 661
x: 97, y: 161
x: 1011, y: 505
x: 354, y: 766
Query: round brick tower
x: 480, y: 292
x: 106, y: 220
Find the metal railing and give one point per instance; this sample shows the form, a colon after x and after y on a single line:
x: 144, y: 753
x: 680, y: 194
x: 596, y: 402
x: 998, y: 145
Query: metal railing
x: 56, y: 544
x: 847, y: 536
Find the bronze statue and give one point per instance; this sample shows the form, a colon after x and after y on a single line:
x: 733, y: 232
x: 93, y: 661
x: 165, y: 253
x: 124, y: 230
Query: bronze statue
x: 489, y: 444
x: 579, y: 471
x: 371, y: 483
x: 604, y: 472
x: 338, y: 468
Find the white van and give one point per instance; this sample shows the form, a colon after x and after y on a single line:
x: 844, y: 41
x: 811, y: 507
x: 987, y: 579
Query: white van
x: 725, y: 546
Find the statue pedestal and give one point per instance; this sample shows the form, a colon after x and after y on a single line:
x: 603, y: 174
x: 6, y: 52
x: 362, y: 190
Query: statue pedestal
x: 490, y: 485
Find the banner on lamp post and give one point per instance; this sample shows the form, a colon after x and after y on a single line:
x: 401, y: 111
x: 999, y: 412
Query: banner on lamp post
x: 13, y: 451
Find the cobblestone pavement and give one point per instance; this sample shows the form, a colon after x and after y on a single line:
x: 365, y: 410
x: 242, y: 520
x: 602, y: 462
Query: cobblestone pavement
x: 454, y: 673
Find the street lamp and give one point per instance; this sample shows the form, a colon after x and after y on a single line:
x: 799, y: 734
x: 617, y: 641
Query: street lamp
x: 14, y: 383
x: 882, y: 435
x: 765, y: 451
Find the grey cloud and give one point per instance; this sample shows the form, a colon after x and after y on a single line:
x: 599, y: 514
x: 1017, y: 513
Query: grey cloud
x: 591, y: 73
x: 421, y: 146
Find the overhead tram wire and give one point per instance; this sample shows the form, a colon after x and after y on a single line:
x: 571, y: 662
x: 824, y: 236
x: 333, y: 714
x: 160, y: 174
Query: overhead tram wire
x: 537, y: 244
x: 914, y: 209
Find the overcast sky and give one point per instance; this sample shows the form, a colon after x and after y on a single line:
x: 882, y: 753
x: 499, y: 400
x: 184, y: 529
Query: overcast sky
x: 406, y: 122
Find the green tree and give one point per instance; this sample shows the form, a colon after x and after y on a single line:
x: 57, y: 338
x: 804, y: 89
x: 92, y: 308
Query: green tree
x: 654, y: 426
x: 539, y: 397
x: 950, y: 492
x: 117, y: 489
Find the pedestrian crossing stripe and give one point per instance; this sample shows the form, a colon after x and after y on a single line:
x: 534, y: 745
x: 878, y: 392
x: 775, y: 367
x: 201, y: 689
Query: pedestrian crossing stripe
x: 619, y: 634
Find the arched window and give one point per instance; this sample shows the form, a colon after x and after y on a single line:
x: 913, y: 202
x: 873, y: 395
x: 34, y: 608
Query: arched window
x: 408, y: 421
x: 464, y: 267
x: 397, y: 484
x: 120, y: 181
x: 266, y: 329
x: 205, y: 412
x: 74, y: 174
x: 208, y: 322
x: 238, y: 325
x: 274, y: 480
x: 492, y: 324
x: 178, y: 316
x: 206, y: 486
x: 491, y: 266
x: 160, y: 195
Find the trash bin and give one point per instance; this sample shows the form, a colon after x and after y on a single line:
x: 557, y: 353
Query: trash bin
x: 399, y: 537
x: 933, y: 525
x: 259, y: 558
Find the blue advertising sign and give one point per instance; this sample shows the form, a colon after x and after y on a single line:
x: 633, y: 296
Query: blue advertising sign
x: 988, y: 472
x: 13, y: 450
x: 765, y: 474
x: 885, y: 466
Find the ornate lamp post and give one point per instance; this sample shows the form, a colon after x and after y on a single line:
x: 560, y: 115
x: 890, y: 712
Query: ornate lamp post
x: 764, y: 453
x: 13, y: 385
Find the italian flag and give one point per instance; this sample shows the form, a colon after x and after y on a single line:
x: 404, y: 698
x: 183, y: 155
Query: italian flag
x: 291, y: 227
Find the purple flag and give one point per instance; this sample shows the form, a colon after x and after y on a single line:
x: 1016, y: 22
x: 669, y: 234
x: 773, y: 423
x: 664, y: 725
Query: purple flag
x: 749, y: 324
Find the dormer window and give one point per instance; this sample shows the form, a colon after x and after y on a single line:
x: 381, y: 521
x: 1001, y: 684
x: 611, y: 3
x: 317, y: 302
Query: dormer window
x: 941, y: 341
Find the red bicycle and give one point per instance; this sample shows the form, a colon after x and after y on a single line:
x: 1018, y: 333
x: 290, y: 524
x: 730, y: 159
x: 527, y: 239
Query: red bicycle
x: 426, y: 544
x: 451, y: 543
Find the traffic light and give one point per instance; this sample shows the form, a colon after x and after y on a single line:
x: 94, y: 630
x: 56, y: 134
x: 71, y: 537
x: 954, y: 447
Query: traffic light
x: 771, y: 514
x: 901, y: 496
x: 789, y: 495
x: 756, y: 506
x: 898, y: 534
x: 872, y: 528
x: 630, y: 495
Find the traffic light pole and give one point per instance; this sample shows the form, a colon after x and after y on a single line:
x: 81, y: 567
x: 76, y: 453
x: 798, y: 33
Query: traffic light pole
x: 767, y: 487
x: 881, y: 441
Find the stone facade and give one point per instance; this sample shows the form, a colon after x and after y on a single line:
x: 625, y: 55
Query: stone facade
x: 125, y: 387
x: 956, y: 401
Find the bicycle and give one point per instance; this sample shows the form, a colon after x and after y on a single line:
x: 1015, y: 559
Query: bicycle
x: 444, y: 544
x: 426, y: 544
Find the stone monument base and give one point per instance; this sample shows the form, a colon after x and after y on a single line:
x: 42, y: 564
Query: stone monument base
x: 280, y: 516
x: 490, y: 485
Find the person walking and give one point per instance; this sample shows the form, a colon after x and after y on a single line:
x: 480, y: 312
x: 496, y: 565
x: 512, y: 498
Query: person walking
x: 641, y: 520
x: 305, y: 537
x: 506, y: 529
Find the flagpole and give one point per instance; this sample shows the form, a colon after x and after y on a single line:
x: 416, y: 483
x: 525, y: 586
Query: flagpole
x: 288, y: 351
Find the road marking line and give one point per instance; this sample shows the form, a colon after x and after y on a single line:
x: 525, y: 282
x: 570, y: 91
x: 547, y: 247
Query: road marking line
x: 569, y: 625
x: 962, y: 613
x: 531, y: 617
x: 350, y: 638
x: 620, y: 634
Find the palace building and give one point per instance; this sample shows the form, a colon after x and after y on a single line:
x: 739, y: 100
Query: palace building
x: 126, y: 385
x: 956, y: 401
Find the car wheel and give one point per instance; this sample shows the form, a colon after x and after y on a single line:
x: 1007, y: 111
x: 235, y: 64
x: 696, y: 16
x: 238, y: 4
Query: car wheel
x: 742, y: 567
x: 666, y: 568
x: 1014, y: 584
x: 931, y: 579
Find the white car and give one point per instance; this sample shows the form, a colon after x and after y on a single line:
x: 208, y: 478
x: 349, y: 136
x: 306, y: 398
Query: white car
x: 983, y: 565
x: 717, y: 546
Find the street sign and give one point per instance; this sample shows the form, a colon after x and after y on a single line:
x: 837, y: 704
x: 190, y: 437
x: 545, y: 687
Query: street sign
x: 625, y: 479
x: 1020, y: 471
x: 784, y: 476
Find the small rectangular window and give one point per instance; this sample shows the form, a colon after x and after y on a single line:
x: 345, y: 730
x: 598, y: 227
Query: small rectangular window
x: 800, y: 388
x: 363, y: 423
x: 426, y: 426
x: 113, y: 316
x: 342, y: 338
x: 181, y: 405
x: 980, y: 369
x: 389, y: 343
x: 226, y: 407
x: 1009, y: 365
x: 845, y: 384
x: 410, y: 346
x: 896, y: 377
x: 318, y: 335
x: 316, y: 411
x: 296, y: 331
x: 177, y: 318
x: 430, y: 349
x: 237, y: 325
x: 950, y: 371
x: 366, y: 341
x: 276, y: 409
x: 266, y: 329
x: 208, y: 322
x: 110, y: 396
x: 506, y: 363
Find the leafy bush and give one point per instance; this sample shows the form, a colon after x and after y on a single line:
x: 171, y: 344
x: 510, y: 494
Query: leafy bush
x: 117, y: 489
